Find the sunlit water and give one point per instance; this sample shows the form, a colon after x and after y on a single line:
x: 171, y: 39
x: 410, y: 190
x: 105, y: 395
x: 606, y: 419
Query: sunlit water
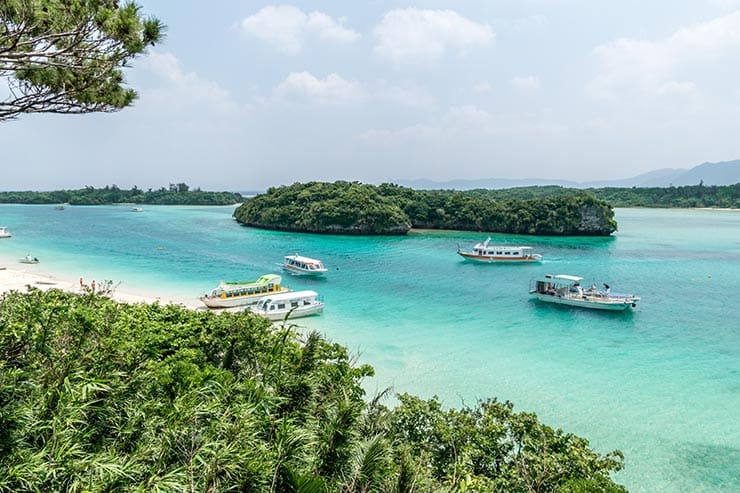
x: 661, y: 382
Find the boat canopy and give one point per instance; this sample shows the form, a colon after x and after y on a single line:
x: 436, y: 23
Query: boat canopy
x: 291, y: 296
x: 561, y: 277
x: 264, y: 279
x: 305, y: 260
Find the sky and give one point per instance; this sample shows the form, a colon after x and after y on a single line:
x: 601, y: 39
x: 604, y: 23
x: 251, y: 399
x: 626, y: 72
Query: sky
x: 244, y: 95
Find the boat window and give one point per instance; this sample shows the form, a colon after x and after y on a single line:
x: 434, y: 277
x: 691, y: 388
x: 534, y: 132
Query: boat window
x: 515, y: 253
x: 499, y: 253
x: 293, y: 303
x: 507, y: 253
x: 281, y: 306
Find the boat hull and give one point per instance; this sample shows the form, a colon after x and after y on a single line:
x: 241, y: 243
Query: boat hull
x: 303, y: 311
x: 301, y: 272
x: 617, y: 304
x: 492, y: 259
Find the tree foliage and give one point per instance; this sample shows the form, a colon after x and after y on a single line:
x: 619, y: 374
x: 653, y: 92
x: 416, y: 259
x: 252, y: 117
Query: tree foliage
x: 176, y: 194
x: 356, y: 208
x: 684, y: 196
x: 101, y: 396
x: 66, y: 56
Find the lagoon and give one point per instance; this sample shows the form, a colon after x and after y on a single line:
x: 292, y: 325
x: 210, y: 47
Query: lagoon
x: 660, y: 382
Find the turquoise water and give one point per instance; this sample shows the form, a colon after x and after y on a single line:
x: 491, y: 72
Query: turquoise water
x: 661, y: 383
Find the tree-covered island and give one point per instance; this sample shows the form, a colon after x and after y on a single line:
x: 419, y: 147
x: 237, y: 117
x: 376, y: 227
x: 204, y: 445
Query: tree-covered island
x: 355, y: 208
x: 176, y: 194
x: 102, y: 396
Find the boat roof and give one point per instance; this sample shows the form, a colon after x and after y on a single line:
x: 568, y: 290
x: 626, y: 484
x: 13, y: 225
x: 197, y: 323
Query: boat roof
x: 305, y: 260
x: 562, y: 277
x: 264, y: 279
x: 505, y: 247
x: 292, y: 295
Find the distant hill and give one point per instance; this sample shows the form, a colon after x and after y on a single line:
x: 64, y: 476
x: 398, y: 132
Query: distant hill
x: 722, y: 173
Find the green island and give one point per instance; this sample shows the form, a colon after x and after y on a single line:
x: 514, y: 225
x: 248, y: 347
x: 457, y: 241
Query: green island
x: 720, y: 196
x: 176, y: 194
x: 97, y: 395
x: 355, y: 208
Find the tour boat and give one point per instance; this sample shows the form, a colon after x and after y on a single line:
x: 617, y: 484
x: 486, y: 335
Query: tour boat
x: 230, y: 294
x: 565, y: 289
x: 483, y: 252
x: 289, y: 305
x: 29, y: 259
x: 303, y: 266
x: 4, y: 233
x: 137, y: 209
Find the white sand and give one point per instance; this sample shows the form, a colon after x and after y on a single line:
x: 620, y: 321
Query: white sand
x: 18, y: 278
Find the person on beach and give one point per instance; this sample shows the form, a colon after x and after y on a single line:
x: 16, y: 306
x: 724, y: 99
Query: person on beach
x: 92, y: 284
x: 81, y: 284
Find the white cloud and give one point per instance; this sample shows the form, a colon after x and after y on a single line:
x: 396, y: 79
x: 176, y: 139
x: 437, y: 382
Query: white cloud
x: 527, y: 83
x: 183, y: 89
x: 331, y: 91
x: 457, y: 121
x: 644, y: 66
x: 412, y: 34
x: 410, y: 96
x: 286, y: 27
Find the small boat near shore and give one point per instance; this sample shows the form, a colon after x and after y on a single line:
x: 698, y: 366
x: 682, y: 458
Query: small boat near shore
x: 295, y: 304
x: 486, y: 253
x: 4, y: 233
x: 137, y: 209
x: 303, y: 266
x: 564, y: 289
x: 29, y: 259
x: 231, y: 294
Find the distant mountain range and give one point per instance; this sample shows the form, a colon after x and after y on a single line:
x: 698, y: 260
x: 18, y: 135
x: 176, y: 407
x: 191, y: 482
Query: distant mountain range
x: 722, y: 173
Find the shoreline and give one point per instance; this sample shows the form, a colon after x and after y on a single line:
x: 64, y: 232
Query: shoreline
x: 14, y: 278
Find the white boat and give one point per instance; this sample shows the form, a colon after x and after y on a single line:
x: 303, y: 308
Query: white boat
x: 295, y: 304
x: 303, y: 266
x: 29, y: 259
x: 4, y: 233
x: 483, y: 252
x: 137, y: 209
x: 230, y: 294
x: 60, y: 207
x: 565, y: 289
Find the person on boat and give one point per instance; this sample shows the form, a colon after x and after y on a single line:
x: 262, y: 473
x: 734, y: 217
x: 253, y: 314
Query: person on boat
x: 607, y: 289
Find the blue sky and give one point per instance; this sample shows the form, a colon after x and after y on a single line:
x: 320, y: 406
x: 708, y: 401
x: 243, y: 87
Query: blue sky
x: 245, y: 95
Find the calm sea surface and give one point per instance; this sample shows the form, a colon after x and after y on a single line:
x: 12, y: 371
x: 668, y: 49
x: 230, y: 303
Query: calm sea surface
x: 661, y: 383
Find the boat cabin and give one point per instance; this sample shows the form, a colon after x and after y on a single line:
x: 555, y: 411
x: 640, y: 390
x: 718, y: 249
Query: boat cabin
x: 303, y: 264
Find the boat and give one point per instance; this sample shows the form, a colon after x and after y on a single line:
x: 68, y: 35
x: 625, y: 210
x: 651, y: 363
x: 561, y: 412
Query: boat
x: 284, y: 306
x: 137, y: 209
x: 29, y: 259
x: 483, y: 252
x: 4, y: 233
x: 303, y: 266
x: 564, y: 289
x: 231, y: 294
x: 60, y: 207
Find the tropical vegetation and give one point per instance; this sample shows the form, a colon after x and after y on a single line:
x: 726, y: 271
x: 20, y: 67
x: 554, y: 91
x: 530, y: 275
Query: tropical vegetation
x: 176, y: 194
x: 357, y: 208
x: 726, y: 196
x: 101, y: 396
x: 67, y: 56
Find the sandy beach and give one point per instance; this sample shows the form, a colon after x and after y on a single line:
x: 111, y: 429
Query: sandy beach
x: 18, y: 278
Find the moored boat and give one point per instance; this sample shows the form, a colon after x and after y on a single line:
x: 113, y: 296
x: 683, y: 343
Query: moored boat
x: 303, y: 266
x: 29, y: 259
x: 564, y: 289
x: 137, y: 209
x: 483, y: 252
x: 295, y: 304
x: 231, y: 294
x: 4, y: 233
